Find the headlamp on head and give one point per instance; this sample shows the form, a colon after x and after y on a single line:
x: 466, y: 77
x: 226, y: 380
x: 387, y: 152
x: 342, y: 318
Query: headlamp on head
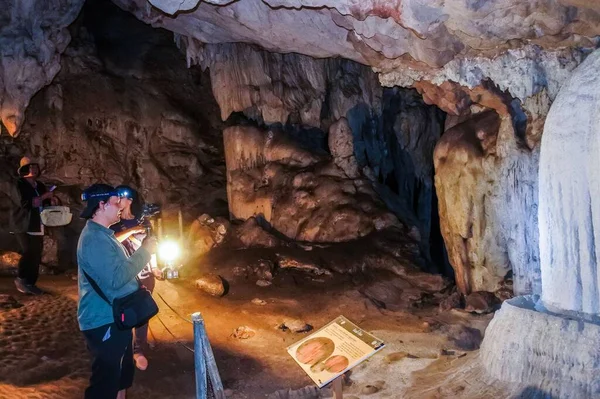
x: 124, y: 193
x: 119, y: 193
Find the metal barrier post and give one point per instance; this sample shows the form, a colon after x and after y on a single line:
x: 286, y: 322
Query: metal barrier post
x: 211, y: 366
x: 200, y: 365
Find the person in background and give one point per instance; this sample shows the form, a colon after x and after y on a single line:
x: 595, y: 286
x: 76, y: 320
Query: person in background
x: 130, y: 232
x: 104, y: 259
x: 27, y: 224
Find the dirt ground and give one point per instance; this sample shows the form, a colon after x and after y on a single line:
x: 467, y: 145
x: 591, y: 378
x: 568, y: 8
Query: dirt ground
x: 42, y: 353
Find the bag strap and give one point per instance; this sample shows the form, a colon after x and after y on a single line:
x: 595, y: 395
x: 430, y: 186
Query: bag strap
x: 96, y: 288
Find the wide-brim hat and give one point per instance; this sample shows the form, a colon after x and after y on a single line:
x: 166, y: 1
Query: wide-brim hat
x: 23, y: 163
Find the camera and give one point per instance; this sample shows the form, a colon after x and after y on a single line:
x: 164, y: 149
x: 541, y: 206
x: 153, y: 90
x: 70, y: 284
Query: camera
x: 149, y: 210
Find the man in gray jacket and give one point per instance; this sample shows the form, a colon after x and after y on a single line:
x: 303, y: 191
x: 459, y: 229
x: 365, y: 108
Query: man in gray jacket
x: 102, y: 257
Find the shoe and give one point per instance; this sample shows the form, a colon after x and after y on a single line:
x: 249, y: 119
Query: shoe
x: 140, y: 361
x: 21, y: 286
x: 34, y: 290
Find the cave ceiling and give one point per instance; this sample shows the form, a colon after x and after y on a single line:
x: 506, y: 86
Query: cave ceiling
x: 464, y: 41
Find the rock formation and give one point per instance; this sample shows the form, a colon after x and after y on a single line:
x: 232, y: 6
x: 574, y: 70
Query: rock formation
x: 466, y: 58
x: 515, y: 66
x: 569, y: 209
x: 302, y: 195
x: 557, y: 350
x: 119, y: 115
x: 381, y: 34
x: 33, y: 35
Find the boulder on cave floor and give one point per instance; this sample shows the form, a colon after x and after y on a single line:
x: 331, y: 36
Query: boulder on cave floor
x: 211, y: 284
x: 452, y: 301
x: 252, y: 235
x: 393, y: 294
x: 481, y: 302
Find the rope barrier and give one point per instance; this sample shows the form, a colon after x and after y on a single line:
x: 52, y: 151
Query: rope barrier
x: 173, y: 335
x: 174, y: 311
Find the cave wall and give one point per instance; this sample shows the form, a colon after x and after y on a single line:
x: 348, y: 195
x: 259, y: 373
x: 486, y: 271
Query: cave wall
x: 385, y: 136
x: 466, y: 58
x: 299, y: 193
x: 123, y: 109
x: 33, y: 34
x: 486, y: 167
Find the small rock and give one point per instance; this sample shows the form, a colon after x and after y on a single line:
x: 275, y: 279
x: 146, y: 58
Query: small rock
x: 369, y: 390
x: 396, y: 356
x: 453, y: 301
x: 264, y: 269
x: 481, y: 302
x: 286, y: 262
x: 243, y: 332
x: 45, y: 358
x: 212, y: 284
x: 504, y: 294
x: 452, y: 352
x: 252, y: 235
x: 228, y: 392
x: 463, y: 337
x: 259, y: 302
x: 263, y: 283
x: 8, y: 302
x: 296, y: 326
x: 9, y: 260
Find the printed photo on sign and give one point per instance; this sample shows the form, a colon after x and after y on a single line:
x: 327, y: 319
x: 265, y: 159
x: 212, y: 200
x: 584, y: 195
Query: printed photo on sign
x: 334, y: 349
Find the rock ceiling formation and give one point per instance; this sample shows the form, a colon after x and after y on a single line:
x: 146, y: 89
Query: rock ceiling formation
x: 404, y: 40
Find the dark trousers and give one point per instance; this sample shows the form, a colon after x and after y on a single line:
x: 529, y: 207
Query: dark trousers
x: 140, y: 341
x: 31, y: 257
x: 112, y: 366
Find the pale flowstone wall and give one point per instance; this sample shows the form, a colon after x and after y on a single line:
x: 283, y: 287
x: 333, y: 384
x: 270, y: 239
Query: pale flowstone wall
x: 569, y: 194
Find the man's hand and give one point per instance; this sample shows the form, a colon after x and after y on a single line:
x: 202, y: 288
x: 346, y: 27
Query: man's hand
x: 150, y: 244
x: 157, y: 273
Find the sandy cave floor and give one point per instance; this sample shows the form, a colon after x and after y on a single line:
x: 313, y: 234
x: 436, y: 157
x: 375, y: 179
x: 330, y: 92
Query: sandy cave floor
x: 42, y: 354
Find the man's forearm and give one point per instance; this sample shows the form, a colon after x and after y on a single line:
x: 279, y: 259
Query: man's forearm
x: 129, y: 268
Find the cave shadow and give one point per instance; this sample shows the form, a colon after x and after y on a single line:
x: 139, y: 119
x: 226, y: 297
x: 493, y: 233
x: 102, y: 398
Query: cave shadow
x: 382, y: 145
x: 532, y: 392
x: 179, y: 379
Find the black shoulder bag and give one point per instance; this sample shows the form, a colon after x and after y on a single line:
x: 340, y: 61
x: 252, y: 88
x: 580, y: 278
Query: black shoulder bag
x: 130, y: 311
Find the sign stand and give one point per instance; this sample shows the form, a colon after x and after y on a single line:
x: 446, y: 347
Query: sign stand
x: 337, y: 387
